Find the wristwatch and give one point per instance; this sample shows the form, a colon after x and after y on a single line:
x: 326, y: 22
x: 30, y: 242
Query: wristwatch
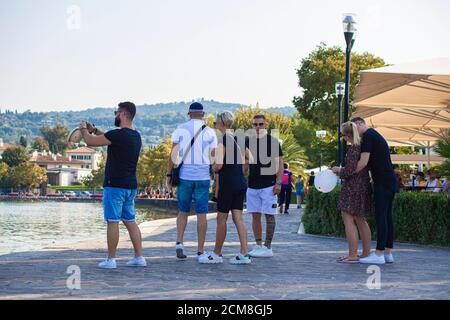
x: 168, y: 174
x: 93, y: 131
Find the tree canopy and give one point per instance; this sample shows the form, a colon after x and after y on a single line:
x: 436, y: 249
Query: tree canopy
x: 443, y: 149
x: 15, y: 155
x: 40, y: 144
x: 317, y: 76
x: 152, y: 165
x: 56, y: 138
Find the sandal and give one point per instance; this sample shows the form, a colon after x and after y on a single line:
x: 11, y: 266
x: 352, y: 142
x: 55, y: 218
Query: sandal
x: 348, y: 260
x: 342, y: 258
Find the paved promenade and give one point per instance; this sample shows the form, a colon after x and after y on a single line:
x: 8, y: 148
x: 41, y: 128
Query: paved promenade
x: 303, y: 267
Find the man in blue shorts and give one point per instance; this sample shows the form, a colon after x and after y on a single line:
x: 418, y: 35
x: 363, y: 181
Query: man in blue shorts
x: 120, y: 184
x: 196, y: 143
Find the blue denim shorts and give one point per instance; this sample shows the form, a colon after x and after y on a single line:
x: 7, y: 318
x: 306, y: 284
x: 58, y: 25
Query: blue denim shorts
x: 118, y: 204
x: 198, y: 191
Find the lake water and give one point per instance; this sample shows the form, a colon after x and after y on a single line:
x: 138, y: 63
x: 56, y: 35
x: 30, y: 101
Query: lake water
x: 26, y: 226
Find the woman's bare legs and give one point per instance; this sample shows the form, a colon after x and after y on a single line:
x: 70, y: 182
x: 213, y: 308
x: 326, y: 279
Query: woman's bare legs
x: 238, y: 220
x: 351, y: 233
x: 221, y: 232
x: 365, y: 234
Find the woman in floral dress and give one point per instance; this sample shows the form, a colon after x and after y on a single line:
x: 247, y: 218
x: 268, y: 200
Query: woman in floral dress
x: 355, y: 200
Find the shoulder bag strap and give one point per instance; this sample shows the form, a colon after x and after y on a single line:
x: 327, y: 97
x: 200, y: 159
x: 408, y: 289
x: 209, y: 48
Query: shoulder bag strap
x: 186, y: 152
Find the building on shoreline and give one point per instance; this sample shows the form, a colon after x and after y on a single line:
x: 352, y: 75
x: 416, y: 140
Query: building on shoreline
x: 90, y: 157
x: 67, y: 170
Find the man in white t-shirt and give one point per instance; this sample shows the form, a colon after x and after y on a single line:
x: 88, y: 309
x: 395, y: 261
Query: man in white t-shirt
x: 195, y: 178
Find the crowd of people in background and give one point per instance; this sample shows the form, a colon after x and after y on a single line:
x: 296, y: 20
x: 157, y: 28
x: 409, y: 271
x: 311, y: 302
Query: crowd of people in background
x: 429, y: 182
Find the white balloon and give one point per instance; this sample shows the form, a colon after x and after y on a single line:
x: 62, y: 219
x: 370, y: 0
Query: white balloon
x: 325, y: 181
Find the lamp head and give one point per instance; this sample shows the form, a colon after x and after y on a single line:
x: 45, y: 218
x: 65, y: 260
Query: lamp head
x: 340, y: 88
x: 349, y: 22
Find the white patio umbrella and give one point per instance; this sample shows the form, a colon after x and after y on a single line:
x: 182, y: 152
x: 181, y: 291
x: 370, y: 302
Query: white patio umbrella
x: 409, y: 104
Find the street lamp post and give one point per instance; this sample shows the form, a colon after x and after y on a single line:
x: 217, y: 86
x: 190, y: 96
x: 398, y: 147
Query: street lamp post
x: 320, y: 134
x: 340, y: 89
x: 349, y: 24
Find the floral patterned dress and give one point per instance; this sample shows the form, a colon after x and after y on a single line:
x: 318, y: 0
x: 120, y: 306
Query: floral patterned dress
x: 356, y: 193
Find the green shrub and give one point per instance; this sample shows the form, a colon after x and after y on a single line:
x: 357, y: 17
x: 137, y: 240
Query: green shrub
x: 422, y: 218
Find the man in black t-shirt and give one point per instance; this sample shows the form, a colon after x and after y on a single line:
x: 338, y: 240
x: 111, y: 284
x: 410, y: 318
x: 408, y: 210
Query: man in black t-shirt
x: 375, y: 154
x: 264, y: 183
x: 120, y: 184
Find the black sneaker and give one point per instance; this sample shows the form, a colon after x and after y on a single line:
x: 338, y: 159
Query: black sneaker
x: 179, y: 249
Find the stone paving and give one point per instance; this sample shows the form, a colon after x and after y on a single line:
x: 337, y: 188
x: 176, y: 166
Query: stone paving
x: 303, y: 267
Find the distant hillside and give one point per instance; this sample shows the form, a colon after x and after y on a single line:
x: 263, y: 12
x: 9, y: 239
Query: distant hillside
x: 153, y: 121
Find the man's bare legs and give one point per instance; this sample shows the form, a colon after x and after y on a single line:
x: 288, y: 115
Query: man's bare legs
x: 135, y: 236
x: 202, y: 226
x: 112, y: 235
x: 257, y: 227
x: 270, y: 230
x: 182, y: 220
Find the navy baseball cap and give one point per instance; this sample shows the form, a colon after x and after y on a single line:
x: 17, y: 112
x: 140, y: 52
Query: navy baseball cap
x: 196, y: 107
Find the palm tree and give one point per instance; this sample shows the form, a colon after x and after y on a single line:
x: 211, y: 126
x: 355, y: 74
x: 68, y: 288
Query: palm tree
x: 443, y: 149
x: 294, y: 154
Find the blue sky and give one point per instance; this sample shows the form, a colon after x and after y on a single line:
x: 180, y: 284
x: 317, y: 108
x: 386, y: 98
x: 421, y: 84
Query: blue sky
x: 70, y: 55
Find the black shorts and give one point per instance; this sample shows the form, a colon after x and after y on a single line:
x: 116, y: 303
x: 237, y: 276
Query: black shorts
x: 230, y: 201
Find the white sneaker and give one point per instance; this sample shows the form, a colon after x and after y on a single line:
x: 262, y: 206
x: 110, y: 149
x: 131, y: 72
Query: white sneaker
x: 241, y: 259
x: 137, y: 262
x: 210, y: 258
x: 255, y: 250
x: 373, y: 258
x: 263, y: 252
x: 201, y: 255
x: 108, y: 264
x: 389, y: 258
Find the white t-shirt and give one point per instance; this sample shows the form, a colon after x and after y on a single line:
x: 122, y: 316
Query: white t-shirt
x: 431, y: 186
x: 197, y: 162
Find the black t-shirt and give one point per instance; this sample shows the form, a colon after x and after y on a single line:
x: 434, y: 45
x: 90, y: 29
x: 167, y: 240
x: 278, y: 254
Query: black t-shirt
x: 311, y: 181
x: 380, y: 164
x: 123, y: 156
x: 265, y: 150
x: 231, y: 176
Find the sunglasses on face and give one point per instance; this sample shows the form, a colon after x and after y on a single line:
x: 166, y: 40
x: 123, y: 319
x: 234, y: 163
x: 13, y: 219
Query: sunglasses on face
x: 256, y: 124
x: 221, y: 120
x: 117, y: 111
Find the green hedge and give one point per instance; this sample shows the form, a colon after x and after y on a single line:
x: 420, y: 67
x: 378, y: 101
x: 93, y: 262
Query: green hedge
x: 422, y: 218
